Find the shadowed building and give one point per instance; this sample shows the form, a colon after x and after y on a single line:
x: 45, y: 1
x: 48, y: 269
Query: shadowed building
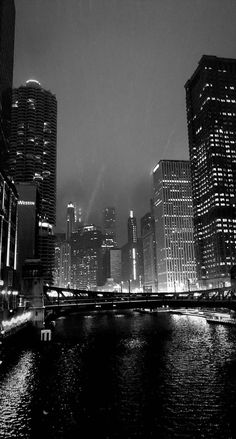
x: 33, y: 158
x: 28, y: 211
x: 109, y: 227
x: 132, y: 255
x: 7, y: 34
x: 86, y: 264
x: 8, y: 232
x: 149, y: 252
x: 211, y: 117
x: 173, y: 215
x: 70, y: 220
x: 62, y: 273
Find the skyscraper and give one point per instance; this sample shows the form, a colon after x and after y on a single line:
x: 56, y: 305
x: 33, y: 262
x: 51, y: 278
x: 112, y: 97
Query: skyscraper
x: 109, y: 227
x: 7, y: 34
x: 132, y: 228
x: 33, y: 157
x: 211, y: 117
x: 70, y: 220
x: 62, y: 272
x: 149, y: 251
x: 86, y: 257
x: 132, y: 255
x: 28, y: 223
x: 173, y: 225
x: 8, y: 232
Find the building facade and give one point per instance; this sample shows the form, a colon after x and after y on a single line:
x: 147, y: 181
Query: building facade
x: 32, y: 157
x: 28, y: 211
x: 173, y: 214
x: 70, y: 220
x: 149, y: 252
x: 132, y: 256
x: 62, y: 273
x: 86, y: 261
x: 109, y: 227
x: 7, y: 35
x: 8, y: 233
x: 211, y: 117
x: 115, y: 264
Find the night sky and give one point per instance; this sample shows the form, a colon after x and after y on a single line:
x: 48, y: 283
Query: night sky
x: 118, y: 69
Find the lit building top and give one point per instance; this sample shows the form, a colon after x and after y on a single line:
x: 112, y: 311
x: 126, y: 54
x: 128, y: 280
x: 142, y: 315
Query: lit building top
x: 32, y: 83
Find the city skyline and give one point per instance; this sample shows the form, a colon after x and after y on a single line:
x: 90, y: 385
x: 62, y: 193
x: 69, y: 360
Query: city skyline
x: 118, y: 115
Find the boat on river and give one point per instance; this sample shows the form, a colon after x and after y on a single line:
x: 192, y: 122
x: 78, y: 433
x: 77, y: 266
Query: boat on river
x: 151, y: 310
x: 188, y: 312
x: 222, y: 319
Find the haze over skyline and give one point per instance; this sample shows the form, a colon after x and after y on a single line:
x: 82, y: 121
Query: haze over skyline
x: 118, y: 69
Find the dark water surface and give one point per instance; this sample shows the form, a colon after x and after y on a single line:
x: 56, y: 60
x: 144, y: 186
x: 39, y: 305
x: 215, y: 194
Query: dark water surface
x: 122, y: 375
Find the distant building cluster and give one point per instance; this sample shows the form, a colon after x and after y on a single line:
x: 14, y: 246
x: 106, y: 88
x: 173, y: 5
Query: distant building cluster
x: 187, y: 237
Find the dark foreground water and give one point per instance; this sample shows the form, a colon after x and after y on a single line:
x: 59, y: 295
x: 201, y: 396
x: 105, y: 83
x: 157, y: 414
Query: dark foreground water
x: 122, y: 375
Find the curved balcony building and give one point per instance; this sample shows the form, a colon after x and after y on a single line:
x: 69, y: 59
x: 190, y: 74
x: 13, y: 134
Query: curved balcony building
x: 33, y: 150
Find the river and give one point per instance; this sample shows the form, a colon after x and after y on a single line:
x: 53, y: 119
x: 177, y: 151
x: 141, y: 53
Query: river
x: 122, y: 375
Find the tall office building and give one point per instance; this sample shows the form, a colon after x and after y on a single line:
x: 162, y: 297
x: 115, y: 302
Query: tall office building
x: 70, y: 220
x: 115, y: 264
x: 8, y: 232
x: 211, y: 117
x: 149, y: 252
x: 173, y: 215
x: 27, y: 245
x: 8, y: 194
x: 33, y: 157
x: 62, y: 272
x: 132, y: 228
x: 7, y: 34
x: 86, y: 261
x: 109, y: 227
x: 132, y: 255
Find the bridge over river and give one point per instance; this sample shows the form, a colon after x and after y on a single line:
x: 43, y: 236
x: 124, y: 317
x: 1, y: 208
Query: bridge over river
x: 58, y: 301
x: 45, y: 303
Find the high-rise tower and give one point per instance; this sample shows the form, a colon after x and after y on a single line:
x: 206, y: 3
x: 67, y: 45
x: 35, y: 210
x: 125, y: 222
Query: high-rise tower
x: 211, y: 116
x: 132, y: 228
x: 109, y: 226
x: 86, y: 257
x: 173, y: 225
x: 33, y: 157
x: 7, y: 34
x: 132, y: 255
x: 70, y: 220
x: 8, y: 193
x: 149, y: 251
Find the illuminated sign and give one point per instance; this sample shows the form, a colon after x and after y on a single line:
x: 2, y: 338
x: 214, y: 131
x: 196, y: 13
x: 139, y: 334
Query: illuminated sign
x: 26, y: 203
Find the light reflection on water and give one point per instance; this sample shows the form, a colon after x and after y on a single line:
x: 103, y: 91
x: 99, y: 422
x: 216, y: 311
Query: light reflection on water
x: 128, y: 375
x: 15, y: 397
